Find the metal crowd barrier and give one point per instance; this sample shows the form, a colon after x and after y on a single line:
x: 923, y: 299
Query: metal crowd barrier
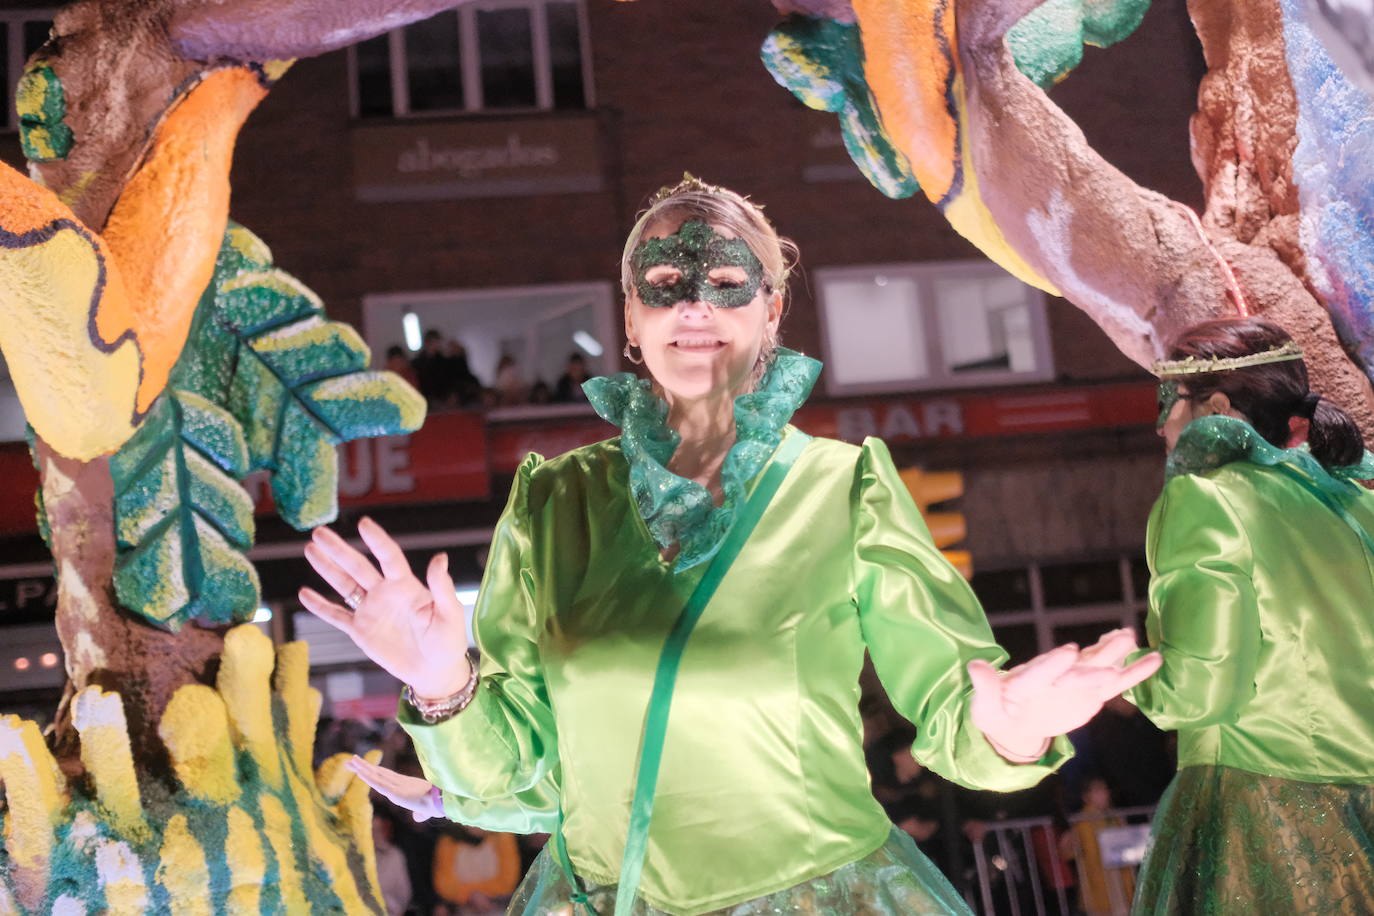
x: 1021, y: 871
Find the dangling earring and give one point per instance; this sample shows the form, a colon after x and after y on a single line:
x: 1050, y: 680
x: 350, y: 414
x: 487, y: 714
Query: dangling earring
x: 626, y: 353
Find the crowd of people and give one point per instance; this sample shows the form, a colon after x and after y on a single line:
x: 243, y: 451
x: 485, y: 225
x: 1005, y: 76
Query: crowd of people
x: 441, y: 372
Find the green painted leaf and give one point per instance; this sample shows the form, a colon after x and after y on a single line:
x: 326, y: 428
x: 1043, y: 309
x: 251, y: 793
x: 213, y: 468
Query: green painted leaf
x: 1048, y: 42
x: 822, y: 62
x: 182, y: 522
x: 298, y: 383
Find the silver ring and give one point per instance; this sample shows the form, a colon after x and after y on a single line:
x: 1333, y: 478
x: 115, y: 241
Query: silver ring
x: 355, y: 597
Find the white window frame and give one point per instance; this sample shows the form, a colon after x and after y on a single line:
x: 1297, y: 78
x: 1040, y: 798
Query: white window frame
x: 12, y: 23
x: 471, y: 62
x: 925, y: 274
x: 604, y: 300
x: 1124, y: 613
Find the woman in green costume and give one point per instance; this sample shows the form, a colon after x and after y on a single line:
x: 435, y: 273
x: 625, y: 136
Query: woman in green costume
x: 795, y: 554
x: 1262, y: 605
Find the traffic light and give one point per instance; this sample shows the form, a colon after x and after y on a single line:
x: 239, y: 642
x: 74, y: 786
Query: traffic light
x: 946, y: 528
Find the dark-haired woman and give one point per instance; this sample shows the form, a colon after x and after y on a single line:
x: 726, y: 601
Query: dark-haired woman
x: 1262, y: 605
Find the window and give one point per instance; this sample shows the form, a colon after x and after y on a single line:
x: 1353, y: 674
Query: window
x: 21, y: 33
x: 1034, y: 608
x: 948, y: 324
x: 490, y: 56
x: 534, y: 330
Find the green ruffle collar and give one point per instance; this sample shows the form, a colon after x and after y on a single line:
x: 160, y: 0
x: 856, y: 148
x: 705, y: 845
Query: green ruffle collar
x: 1210, y: 442
x: 675, y: 509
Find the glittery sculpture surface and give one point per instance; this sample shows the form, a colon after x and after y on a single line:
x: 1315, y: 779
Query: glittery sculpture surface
x: 694, y: 251
x: 681, y: 511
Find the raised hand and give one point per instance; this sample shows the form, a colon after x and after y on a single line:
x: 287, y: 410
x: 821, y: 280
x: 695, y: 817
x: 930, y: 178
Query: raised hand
x: 1022, y: 709
x: 410, y: 792
x: 417, y: 633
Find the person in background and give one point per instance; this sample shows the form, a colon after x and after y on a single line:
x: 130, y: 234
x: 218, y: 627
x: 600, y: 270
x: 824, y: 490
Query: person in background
x: 569, y: 386
x: 1102, y: 891
x: 393, y: 876
x: 397, y: 362
x: 509, y: 385
x: 476, y: 869
x: 540, y: 393
x: 431, y: 368
x: 463, y: 387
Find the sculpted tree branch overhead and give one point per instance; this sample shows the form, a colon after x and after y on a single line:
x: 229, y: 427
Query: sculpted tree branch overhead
x: 268, y: 30
x: 944, y: 97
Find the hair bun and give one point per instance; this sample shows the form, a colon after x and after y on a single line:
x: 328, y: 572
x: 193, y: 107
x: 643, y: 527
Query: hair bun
x: 1307, y: 407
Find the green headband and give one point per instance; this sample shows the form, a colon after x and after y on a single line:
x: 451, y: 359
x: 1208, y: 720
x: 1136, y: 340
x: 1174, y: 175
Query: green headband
x: 1195, y: 366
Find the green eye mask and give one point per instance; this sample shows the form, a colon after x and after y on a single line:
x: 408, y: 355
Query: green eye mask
x: 1168, y: 396
x: 694, y: 251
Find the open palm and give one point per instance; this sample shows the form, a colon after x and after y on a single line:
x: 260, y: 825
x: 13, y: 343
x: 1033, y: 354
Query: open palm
x: 1056, y: 692
x: 410, y: 792
x: 415, y: 630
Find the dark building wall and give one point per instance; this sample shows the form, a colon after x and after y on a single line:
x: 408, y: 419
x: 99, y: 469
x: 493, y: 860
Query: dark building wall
x: 679, y: 86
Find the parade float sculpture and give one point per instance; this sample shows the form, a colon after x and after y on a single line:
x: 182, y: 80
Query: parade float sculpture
x: 947, y: 97
x: 160, y: 356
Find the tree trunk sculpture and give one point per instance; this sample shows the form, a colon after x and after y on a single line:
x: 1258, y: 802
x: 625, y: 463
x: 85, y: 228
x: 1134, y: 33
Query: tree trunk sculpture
x: 939, y: 95
x: 161, y: 356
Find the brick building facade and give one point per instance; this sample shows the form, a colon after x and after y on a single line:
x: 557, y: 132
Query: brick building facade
x: 458, y: 216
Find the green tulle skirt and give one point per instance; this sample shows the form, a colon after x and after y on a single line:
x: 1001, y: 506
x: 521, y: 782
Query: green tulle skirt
x: 1229, y: 841
x: 895, y: 880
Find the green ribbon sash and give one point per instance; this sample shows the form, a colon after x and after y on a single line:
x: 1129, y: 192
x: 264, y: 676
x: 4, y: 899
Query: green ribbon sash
x: 661, y: 697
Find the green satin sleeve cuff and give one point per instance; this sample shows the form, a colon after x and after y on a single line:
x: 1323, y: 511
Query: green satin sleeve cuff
x: 1204, y: 614
x: 504, y: 742
x: 534, y: 810
x: 923, y: 625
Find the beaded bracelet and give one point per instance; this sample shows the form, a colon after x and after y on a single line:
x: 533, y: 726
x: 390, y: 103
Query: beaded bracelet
x: 435, y: 711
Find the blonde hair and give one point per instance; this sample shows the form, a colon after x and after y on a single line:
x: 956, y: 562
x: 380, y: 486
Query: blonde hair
x: 716, y: 206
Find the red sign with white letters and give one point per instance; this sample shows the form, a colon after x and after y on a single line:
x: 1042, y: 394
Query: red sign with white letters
x: 454, y: 455
x: 446, y: 459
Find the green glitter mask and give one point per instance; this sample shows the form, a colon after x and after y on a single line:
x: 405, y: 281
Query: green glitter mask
x: 694, y: 251
x: 1168, y: 396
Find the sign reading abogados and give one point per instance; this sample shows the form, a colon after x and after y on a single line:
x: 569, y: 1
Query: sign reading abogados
x: 432, y: 160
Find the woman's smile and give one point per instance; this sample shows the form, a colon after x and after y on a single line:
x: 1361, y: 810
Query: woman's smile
x: 697, y: 344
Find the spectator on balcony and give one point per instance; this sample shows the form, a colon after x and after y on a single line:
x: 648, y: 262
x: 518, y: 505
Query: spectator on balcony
x: 569, y: 387
x: 397, y: 362
x: 464, y: 388
x: 510, y: 384
x: 431, y: 368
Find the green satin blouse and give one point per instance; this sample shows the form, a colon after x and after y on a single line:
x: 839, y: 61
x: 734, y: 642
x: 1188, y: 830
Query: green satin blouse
x: 763, y: 783
x: 1262, y: 605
